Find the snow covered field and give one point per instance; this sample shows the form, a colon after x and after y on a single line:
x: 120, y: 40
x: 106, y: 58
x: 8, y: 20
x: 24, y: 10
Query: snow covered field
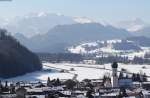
x: 122, y: 48
x: 83, y: 71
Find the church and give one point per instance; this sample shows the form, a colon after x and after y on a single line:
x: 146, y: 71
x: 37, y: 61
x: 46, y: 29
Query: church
x: 118, y: 78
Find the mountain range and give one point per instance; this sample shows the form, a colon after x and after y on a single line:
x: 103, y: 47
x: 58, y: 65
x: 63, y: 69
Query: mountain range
x: 136, y: 27
x: 38, y: 23
x: 46, y: 32
x: 62, y: 36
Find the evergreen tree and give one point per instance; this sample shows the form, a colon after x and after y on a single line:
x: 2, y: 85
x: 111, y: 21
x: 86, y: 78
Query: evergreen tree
x: 144, y: 77
x: 70, y: 84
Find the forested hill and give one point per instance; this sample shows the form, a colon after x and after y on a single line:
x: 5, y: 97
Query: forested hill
x: 15, y: 59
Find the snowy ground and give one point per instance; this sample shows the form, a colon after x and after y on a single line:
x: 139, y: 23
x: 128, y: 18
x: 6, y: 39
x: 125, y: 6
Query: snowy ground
x: 107, y: 48
x: 83, y: 71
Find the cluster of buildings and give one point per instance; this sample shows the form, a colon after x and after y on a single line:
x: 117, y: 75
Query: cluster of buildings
x: 118, y: 85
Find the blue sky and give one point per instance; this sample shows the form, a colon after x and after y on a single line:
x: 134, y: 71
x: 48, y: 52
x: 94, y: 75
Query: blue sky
x: 99, y: 10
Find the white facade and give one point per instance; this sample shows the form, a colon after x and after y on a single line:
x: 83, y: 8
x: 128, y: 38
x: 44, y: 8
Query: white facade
x: 114, y: 78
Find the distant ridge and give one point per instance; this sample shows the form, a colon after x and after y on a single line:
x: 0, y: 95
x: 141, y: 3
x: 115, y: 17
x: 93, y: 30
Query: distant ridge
x: 62, y: 36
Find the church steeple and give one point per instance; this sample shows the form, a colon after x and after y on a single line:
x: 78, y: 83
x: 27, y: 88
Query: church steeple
x: 114, y: 65
x: 114, y: 74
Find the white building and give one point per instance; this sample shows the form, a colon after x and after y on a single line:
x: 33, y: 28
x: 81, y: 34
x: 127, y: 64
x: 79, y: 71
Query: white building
x: 114, y: 78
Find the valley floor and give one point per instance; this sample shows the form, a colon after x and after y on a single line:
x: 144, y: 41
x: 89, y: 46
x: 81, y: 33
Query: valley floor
x: 82, y: 71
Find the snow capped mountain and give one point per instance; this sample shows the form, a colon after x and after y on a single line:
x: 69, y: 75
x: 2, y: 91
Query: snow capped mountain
x: 83, y: 20
x: 127, y: 47
x: 4, y: 22
x: 62, y: 36
x: 39, y: 23
x: 42, y: 14
x: 136, y: 27
x: 132, y: 25
x: 143, y: 32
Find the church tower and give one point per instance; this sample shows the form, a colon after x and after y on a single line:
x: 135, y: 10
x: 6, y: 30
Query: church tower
x: 114, y: 78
